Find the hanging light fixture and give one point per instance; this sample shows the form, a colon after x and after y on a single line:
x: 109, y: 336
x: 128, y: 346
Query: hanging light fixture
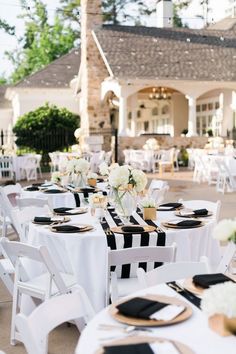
x: 160, y: 93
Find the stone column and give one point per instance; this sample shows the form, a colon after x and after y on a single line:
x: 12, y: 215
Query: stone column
x: 95, y: 115
x: 192, y: 116
x: 122, y: 116
x: 134, y: 107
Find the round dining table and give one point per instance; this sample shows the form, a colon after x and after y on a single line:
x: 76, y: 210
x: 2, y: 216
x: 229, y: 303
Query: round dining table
x: 85, y: 254
x: 193, y: 332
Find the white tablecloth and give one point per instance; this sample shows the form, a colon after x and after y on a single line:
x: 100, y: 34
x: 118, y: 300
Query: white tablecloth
x: 18, y: 162
x: 86, y: 254
x: 54, y: 200
x: 194, y: 332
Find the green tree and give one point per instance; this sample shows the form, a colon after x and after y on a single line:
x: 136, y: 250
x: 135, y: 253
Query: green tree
x: 42, y: 42
x: 178, y: 6
x: 6, y: 27
x: 46, y: 129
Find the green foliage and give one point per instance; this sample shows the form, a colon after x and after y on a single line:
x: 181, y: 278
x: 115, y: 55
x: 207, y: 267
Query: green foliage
x: 115, y: 11
x: 6, y: 27
x: 48, y: 128
x: 42, y: 43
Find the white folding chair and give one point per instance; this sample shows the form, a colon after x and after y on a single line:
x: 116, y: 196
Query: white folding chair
x: 6, y: 167
x: 35, y: 328
x: 225, y: 180
x: 29, y: 170
x: 171, y: 272
x: 49, y: 283
x: 6, y: 273
x: 8, y: 196
x: 31, y: 202
x: 226, y: 259
x: 118, y: 287
x: 39, y: 170
x: 214, y: 207
x: 155, y: 160
x: 157, y: 184
x: 167, y: 160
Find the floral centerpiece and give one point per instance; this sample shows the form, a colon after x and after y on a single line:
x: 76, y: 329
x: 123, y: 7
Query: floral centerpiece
x: 225, y: 230
x: 149, y: 208
x: 78, y: 170
x: 151, y: 144
x: 125, y: 183
x: 56, y: 177
x: 219, y: 304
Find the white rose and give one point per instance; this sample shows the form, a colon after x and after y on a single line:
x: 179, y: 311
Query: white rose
x: 220, y: 299
x: 92, y: 175
x: 82, y: 166
x: 225, y: 230
x: 140, y: 180
x: 119, y: 177
x: 103, y: 169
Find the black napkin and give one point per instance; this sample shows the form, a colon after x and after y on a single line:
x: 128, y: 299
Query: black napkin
x: 141, y: 348
x: 32, y: 189
x: 189, y: 223
x: 140, y: 307
x: 172, y: 206
x: 36, y: 184
x: 132, y: 228
x: 68, y: 228
x: 200, y: 211
x: 63, y: 210
x: 206, y: 280
x: 87, y: 189
x: 53, y: 191
x: 42, y: 219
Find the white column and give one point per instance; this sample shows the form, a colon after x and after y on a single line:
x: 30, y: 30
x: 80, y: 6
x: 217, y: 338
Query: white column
x: 134, y: 107
x: 123, y: 116
x: 192, y: 116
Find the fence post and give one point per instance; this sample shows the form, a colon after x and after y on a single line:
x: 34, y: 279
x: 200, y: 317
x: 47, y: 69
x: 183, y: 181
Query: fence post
x: 2, y: 138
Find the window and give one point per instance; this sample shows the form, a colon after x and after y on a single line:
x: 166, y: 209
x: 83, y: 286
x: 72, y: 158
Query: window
x: 130, y: 115
x: 217, y: 105
x: 204, y: 107
x: 146, y: 126
x: 210, y: 106
x: 198, y: 108
x: 165, y: 109
x: 139, y: 114
x: 155, y: 111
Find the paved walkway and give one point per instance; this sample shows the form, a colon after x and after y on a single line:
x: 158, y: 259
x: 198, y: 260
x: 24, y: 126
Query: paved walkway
x: 63, y: 340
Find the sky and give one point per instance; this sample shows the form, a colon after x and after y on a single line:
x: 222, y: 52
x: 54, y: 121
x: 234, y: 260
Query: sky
x: 10, y: 9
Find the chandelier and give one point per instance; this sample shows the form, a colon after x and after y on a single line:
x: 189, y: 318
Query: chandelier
x: 160, y: 93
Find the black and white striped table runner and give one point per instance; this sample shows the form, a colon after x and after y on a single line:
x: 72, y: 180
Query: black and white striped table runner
x: 120, y: 241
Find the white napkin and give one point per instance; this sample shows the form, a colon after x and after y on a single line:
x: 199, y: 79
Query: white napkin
x: 167, y: 313
x: 186, y: 212
x: 74, y: 211
x: 174, y: 222
x: 165, y: 207
x: 57, y: 218
x: 164, y: 348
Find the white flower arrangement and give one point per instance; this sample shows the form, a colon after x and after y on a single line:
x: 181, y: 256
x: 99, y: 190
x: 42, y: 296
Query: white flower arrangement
x: 148, y: 203
x: 56, y: 177
x: 78, y: 166
x: 151, y: 144
x: 225, y: 230
x: 92, y: 175
x: 98, y: 201
x: 220, y: 299
x: 122, y: 176
x: 103, y: 169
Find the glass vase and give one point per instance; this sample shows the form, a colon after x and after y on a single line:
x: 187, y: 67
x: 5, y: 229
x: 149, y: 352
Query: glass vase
x: 79, y: 180
x: 125, y: 202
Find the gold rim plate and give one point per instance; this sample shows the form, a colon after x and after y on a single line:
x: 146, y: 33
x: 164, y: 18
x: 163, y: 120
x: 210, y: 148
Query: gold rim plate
x: 172, y: 226
x: 133, y: 321
x: 147, y: 228
x: 182, y: 348
x: 84, y: 229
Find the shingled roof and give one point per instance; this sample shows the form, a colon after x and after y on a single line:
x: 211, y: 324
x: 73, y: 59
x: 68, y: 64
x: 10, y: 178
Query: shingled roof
x: 57, y: 74
x: 164, y: 53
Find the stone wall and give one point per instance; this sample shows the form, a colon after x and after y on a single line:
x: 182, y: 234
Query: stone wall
x: 94, y: 114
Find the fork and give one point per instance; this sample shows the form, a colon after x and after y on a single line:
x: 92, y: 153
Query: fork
x: 127, y: 329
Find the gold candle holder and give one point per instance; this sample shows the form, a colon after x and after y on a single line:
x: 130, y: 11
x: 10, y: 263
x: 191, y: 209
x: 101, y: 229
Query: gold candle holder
x: 92, y: 182
x: 149, y: 213
x: 222, y: 324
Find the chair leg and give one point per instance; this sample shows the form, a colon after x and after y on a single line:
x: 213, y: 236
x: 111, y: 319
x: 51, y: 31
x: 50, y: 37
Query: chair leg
x: 7, y: 280
x: 14, y: 313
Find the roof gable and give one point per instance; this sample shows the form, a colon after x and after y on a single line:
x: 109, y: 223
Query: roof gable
x: 164, y: 53
x: 57, y: 74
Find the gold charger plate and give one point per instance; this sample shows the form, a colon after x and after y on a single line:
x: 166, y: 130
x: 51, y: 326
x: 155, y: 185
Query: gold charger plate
x: 80, y: 211
x: 172, y: 226
x: 179, y: 213
x: 133, y: 321
x: 47, y: 191
x: 146, y: 228
x: 182, y: 348
x: 84, y: 229
x: 190, y: 286
x: 65, y: 219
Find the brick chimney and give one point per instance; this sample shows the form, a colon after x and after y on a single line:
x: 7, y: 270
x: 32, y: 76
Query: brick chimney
x: 164, y: 10
x: 94, y: 115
